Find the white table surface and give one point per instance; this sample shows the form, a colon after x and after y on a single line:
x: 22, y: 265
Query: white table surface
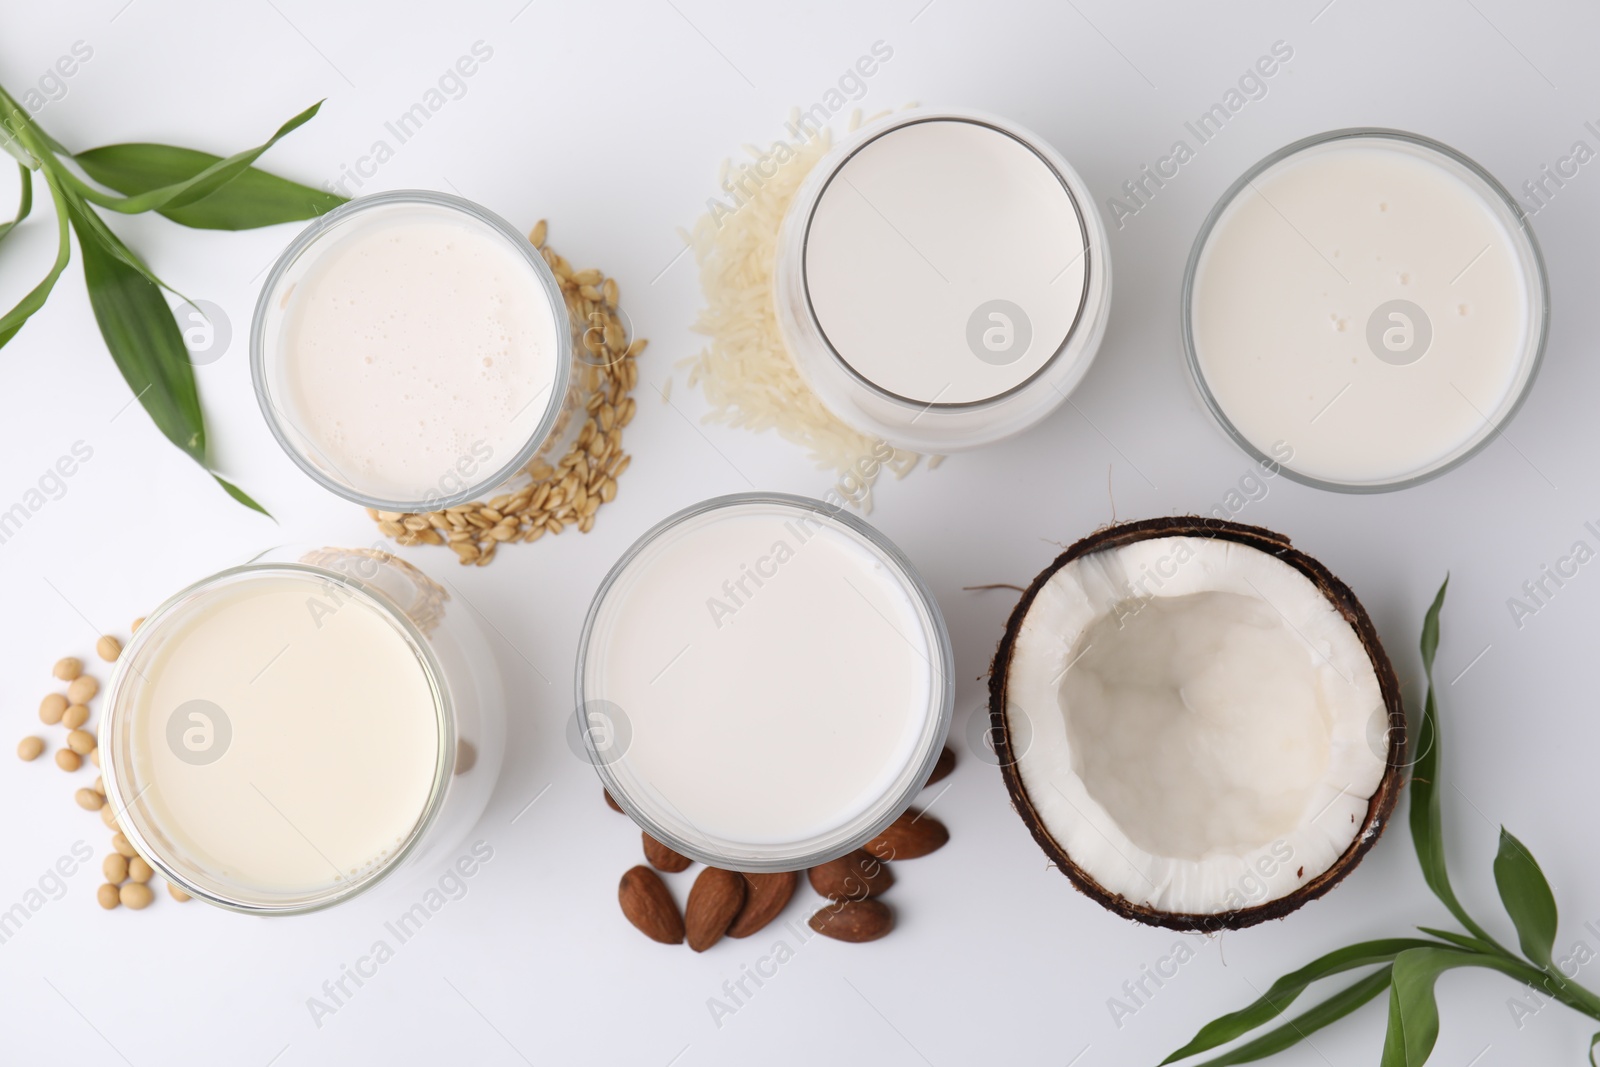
x: 611, y: 120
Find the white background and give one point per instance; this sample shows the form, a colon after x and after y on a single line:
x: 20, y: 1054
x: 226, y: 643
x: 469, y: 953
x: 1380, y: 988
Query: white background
x: 611, y: 120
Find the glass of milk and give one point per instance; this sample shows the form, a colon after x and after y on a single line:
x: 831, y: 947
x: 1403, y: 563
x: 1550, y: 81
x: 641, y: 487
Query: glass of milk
x: 764, y: 682
x: 283, y: 735
x: 1365, y: 309
x: 411, y: 351
x: 942, y: 279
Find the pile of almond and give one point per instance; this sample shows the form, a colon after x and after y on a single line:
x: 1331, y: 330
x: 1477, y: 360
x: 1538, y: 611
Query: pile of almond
x: 733, y: 904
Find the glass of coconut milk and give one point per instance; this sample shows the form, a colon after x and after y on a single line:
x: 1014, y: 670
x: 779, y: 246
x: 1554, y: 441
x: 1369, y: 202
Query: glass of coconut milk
x: 942, y: 279
x: 283, y: 735
x: 764, y: 682
x: 1365, y: 309
x: 411, y: 351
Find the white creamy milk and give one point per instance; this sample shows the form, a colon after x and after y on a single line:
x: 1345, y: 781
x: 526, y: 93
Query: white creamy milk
x: 284, y: 739
x: 1364, y: 308
x: 945, y: 262
x: 418, y: 348
x: 772, y: 668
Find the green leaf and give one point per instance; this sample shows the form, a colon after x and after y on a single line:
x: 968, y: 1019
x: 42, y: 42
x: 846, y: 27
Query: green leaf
x: 1471, y: 944
x: 13, y: 320
x: 1527, y: 897
x: 1307, y: 1023
x: 1427, y: 816
x: 1413, y: 1011
x: 144, y: 340
x: 1275, y: 1000
x: 1593, y: 1041
x: 27, y: 201
x: 240, y: 495
x: 253, y: 199
x: 198, y: 186
x: 85, y: 219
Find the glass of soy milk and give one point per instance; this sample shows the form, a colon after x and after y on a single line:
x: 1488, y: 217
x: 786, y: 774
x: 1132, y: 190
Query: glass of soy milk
x: 283, y: 735
x: 764, y: 682
x: 411, y: 351
x: 1365, y: 309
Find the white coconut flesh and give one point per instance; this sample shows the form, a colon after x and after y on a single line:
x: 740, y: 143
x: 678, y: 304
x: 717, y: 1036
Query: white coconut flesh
x: 1206, y: 728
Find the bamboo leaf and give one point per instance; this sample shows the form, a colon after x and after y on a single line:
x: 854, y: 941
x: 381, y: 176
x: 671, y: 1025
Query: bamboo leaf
x: 252, y: 199
x: 1427, y: 816
x: 240, y: 495
x: 201, y: 185
x: 1413, y: 1011
x: 1308, y: 1022
x: 144, y: 340
x: 13, y: 320
x: 1527, y: 897
x: 27, y: 201
x: 1282, y: 993
x: 1471, y: 944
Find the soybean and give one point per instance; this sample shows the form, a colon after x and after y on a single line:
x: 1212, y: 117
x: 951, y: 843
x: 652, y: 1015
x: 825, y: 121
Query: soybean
x: 81, y: 741
x: 115, y: 868
x: 120, y: 843
x: 68, y: 760
x: 89, y: 800
x: 135, y: 895
x: 139, y: 870
x: 82, y: 689
x: 29, y: 748
x: 76, y: 715
x: 51, y: 708
x: 108, y: 648
x: 177, y: 894
x: 67, y: 668
x: 109, y: 896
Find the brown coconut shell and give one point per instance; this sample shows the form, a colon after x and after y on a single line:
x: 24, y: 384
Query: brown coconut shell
x: 1379, y: 807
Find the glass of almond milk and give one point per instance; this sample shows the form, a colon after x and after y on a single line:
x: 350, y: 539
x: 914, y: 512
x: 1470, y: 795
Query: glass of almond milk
x: 764, y: 682
x: 283, y: 735
x: 411, y: 351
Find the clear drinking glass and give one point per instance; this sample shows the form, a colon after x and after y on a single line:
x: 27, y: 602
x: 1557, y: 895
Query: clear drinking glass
x: 940, y: 427
x: 1530, y: 264
x: 607, y: 733
x: 473, y: 476
x: 449, y: 648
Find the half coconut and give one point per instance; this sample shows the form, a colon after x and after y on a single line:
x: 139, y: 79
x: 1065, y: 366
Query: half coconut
x: 1197, y: 722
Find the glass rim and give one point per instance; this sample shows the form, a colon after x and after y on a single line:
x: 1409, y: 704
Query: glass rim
x: 858, y: 141
x: 276, y: 418
x: 1539, y: 318
x: 113, y: 727
x: 935, y: 729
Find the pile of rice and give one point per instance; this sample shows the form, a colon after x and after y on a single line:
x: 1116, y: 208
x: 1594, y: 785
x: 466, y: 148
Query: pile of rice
x: 745, y: 371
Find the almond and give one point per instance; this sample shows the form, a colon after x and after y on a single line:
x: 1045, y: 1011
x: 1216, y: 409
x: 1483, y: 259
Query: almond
x: 611, y: 803
x: 946, y: 764
x: 765, y: 897
x: 855, y: 876
x: 911, y: 835
x: 853, y: 920
x: 663, y: 858
x: 714, y: 899
x: 649, y: 906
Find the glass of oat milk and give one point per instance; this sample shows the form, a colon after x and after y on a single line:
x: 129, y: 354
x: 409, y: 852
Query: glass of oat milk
x: 411, y: 351
x: 283, y: 735
x: 764, y: 682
